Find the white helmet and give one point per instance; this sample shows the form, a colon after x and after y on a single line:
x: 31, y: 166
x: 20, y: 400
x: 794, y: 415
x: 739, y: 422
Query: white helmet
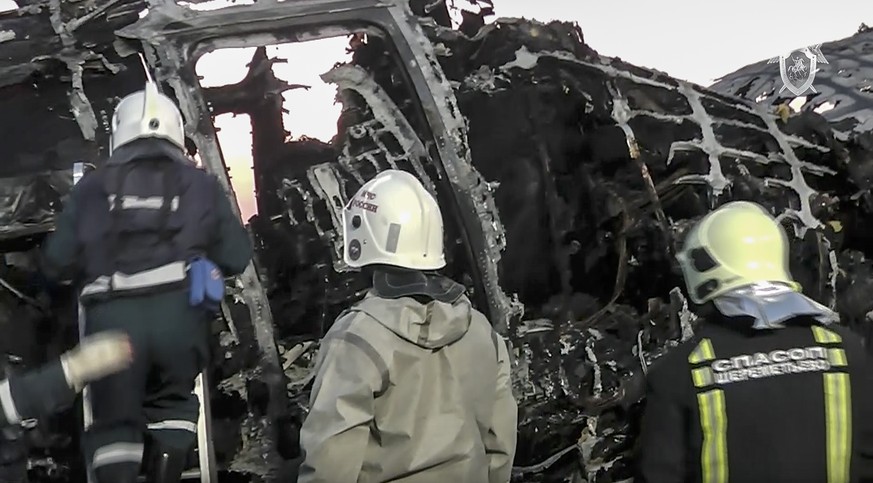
x: 738, y: 244
x: 147, y: 114
x: 393, y: 220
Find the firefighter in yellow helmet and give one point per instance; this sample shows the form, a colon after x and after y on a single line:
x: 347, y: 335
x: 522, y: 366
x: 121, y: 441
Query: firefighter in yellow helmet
x: 770, y: 388
x: 412, y: 382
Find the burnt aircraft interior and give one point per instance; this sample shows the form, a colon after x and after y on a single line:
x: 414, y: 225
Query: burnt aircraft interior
x: 566, y: 179
x: 303, y: 184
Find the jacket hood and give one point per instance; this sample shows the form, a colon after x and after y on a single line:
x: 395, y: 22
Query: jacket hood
x: 431, y: 325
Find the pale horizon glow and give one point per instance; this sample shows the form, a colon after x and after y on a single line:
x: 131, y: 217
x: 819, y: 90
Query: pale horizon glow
x: 311, y: 112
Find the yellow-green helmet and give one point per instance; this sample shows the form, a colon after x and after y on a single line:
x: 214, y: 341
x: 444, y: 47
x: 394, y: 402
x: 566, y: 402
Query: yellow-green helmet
x: 738, y: 244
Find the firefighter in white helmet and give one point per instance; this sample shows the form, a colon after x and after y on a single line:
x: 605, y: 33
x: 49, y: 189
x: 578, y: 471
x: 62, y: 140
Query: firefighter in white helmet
x: 149, y: 235
x: 147, y: 114
x: 770, y: 388
x: 412, y: 382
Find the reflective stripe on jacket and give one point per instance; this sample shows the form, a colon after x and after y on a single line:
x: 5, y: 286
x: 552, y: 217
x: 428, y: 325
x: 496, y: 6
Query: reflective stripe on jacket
x: 829, y: 358
x: 794, y: 404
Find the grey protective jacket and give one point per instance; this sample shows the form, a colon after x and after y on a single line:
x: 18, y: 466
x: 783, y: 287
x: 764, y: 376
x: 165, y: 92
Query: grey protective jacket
x: 413, y: 393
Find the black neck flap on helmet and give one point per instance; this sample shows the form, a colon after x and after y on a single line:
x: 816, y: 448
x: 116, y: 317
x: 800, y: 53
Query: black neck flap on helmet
x: 394, y: 283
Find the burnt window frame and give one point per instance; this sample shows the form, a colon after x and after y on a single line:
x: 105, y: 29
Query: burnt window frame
x: 181, y: 41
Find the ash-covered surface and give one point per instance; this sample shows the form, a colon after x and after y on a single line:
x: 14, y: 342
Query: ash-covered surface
x: 566, y: 179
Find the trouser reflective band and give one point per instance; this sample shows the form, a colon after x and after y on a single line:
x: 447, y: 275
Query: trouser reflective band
x: 713, y: 422
x: 176, y: 424
x: 838, y: 410
x: 119, y: 282
x: 117, y: 453
x: 9, y: 409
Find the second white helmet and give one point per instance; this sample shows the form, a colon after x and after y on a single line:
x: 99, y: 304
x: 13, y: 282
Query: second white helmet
x: 393, y: 220
x: 147, y: 114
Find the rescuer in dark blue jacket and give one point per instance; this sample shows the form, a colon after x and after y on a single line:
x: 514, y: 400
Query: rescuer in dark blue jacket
x: 140, y: 236
x: 770, y: 389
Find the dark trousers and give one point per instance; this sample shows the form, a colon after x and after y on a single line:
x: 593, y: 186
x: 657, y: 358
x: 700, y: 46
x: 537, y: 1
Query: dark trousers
x: 33, y: 394
x: 155, y: 394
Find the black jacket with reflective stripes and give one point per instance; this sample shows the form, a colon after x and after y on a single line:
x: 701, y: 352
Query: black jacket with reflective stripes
x: 168, y: 211
x: 737, y: 405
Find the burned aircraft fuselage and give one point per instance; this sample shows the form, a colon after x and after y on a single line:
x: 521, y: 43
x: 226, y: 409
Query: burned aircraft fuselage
x: 591, y: 169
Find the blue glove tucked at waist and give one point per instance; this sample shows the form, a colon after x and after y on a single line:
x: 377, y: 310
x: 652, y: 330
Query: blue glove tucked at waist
x: 206, y: 284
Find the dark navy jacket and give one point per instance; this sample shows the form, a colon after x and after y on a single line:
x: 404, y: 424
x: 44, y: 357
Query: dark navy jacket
x: 169, y: 210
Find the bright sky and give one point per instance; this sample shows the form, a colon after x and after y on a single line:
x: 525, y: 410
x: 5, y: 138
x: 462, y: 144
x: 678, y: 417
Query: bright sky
x: 699, y: 40
x: 312, y: 112
x: 690, y: 39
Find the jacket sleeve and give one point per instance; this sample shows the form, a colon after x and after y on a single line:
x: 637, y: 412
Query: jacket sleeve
x: 336, y: 432
x: 232, y: 249
x: 501, y: 439
x: 662, y: 440
x: 61, y: 248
